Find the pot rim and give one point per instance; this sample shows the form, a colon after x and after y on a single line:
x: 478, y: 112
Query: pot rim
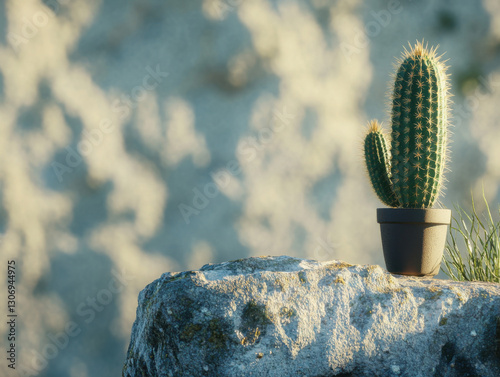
x: 414, y: 215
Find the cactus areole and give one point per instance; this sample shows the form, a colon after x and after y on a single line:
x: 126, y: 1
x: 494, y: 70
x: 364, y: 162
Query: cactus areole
x: 409, y: 174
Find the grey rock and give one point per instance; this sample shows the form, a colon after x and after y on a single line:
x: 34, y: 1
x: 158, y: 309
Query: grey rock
x: 283, y: 316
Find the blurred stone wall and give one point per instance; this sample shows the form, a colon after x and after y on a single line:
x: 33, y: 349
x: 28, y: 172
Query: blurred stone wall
x: 139, y: 137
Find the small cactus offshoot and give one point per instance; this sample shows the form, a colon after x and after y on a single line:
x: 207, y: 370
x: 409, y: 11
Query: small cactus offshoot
x: 410, y: 174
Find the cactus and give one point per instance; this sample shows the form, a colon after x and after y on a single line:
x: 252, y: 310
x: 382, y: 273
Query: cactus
x: 411, y: 174
x: 378, y: 164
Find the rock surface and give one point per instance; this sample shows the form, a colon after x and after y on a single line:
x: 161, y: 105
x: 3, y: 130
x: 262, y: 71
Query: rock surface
x: 283, y: 316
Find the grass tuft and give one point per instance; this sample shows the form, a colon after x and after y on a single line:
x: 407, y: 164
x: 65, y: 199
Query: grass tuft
x: 479, y: 238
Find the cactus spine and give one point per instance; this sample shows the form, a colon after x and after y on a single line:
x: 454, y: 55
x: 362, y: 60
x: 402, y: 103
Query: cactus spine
x: 414, y: 176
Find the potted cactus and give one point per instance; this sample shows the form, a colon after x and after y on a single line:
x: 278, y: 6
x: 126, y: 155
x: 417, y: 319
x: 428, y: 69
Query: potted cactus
x: 408, y: 176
